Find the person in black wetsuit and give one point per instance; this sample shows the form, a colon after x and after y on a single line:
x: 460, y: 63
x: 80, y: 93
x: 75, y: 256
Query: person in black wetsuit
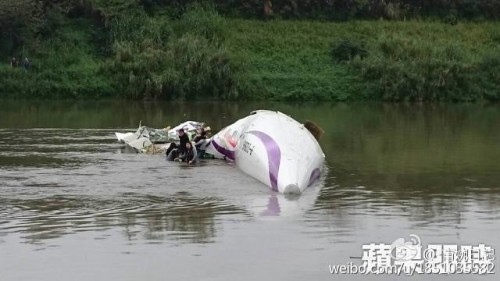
x: 175, y: 151
x: 183, y: 139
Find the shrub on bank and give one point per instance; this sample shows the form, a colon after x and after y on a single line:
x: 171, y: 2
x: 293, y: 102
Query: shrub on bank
x: 182, y: 60
x: 348, y: 49
x: 406, y: 69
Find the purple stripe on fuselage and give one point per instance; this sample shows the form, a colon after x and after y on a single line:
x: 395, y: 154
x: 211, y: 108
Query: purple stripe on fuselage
x: 224, y: 151
x: 273, y: 156
x: 315, y: 175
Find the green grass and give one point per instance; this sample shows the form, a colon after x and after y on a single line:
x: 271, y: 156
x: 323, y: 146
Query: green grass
x: 64, y: 65
x: 290, y: 59
x: 406, y: 60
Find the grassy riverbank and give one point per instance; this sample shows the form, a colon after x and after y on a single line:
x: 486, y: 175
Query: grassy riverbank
x: 202, y: 55
x: 402, y: 61
x: 67, y: 64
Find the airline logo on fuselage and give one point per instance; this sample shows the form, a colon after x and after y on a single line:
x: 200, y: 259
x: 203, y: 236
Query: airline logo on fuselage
x: 231, y: 138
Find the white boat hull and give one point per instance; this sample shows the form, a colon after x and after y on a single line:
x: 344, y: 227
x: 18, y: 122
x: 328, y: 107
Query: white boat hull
x: 273, y: 148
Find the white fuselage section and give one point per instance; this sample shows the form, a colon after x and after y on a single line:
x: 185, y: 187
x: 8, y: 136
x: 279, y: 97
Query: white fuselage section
x: 273, y: 148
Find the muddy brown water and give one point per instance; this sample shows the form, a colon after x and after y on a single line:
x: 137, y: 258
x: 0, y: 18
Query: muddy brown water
x: 76, y: 205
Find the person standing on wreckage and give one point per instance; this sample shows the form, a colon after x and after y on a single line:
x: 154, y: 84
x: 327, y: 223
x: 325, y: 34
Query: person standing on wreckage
x: 173, y: 152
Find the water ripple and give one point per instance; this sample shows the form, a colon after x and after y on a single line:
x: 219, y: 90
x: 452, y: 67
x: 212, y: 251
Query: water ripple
x: 49, y: 217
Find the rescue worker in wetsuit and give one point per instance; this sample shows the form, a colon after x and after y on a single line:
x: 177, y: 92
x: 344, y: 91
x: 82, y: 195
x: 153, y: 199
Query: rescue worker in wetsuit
x: 183, y: 140
x: 175, y: 151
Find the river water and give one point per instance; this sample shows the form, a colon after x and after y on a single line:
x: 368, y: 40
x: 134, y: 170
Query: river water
x: 76, y: 205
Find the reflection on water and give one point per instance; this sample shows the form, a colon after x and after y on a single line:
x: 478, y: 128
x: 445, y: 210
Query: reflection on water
x: 180, y: 216
x: 392, y: 170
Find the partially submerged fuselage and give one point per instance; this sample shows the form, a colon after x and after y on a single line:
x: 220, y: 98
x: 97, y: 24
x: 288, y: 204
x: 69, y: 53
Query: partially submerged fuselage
x: 273, y: 148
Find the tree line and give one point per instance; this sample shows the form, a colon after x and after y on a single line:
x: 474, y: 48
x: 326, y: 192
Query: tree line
x: 21, y: 18
x: 36, y: 14
x: 347, y: 9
